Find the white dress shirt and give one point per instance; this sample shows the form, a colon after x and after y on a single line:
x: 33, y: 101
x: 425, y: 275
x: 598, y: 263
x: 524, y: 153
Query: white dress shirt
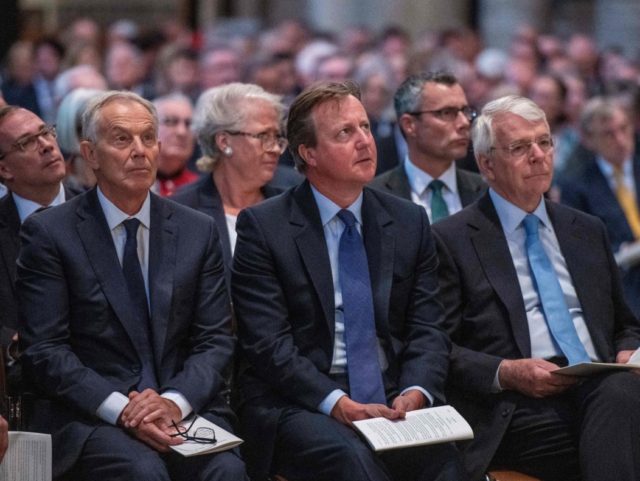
x: 421, y: 194
x: 110, y: 409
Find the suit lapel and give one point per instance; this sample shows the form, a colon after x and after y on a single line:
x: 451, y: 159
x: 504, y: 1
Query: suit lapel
x: 309, y: 237
x: 380, y: 246
x: 98, y: 244
x: 492, y: 250
x: 575, y: 249
x: 162, y: 261
x: 209, y: 201
x: 467, y: 189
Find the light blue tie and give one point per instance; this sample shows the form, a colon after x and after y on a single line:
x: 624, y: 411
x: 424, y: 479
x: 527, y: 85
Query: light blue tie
x: 363, y: 367
x: 439, y: 208
x: 554, y: 305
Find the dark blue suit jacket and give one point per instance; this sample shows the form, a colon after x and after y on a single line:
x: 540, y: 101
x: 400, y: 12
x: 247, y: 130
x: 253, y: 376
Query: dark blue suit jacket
x: 283, y: 297
x: 486, y: 317
x: 588, y: 190
x: 78, y: 337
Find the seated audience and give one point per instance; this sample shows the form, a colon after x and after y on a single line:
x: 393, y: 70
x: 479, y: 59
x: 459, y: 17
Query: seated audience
x: 174, y: 132
x: 605, y: 180
x: 327, y: 340
x: 239, y: 129
x: 127, y: 327
x: 528, y: 286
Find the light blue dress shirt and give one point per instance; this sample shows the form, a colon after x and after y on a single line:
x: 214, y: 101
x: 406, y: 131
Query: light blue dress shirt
x: 27, y: 207
x: 333, y: 228
x: 542, y: 343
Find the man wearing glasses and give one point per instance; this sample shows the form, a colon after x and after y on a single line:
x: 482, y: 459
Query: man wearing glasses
x: 528, y: 286
x: 127, y: 327
x: 435, y: 119
x: 32, y: 168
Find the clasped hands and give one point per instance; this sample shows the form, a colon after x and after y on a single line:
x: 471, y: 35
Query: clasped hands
x: 346, y: 410
x: 149, y: 417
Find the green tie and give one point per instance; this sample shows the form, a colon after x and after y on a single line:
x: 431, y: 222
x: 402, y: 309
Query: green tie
x: 439, y: 209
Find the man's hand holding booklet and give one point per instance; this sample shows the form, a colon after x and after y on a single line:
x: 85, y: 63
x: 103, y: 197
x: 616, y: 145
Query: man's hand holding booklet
x: 420, y: 427
x: 592, y: 368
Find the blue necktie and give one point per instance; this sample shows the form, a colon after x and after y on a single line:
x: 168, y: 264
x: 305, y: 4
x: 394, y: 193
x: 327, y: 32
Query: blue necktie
x: 554, y: 305
x: 135, y: 285
x: 439, y: 208
x: 365, y: 377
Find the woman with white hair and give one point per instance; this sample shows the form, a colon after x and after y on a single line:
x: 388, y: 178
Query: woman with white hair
x: 239, y: 130
x: 69, y: 129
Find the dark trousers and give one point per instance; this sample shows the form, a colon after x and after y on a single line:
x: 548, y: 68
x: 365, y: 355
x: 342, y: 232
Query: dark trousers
x: 591, y: 432
x: 112, y: 454
x: 311, y: 446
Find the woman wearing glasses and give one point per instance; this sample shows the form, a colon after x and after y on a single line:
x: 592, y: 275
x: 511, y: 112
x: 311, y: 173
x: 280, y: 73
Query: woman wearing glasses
x: 238, y: 127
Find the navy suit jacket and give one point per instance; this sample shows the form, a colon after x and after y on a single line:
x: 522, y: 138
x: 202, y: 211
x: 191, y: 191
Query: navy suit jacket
x: 470, y: 185
x: 588, y: 190
x: 78, y: 337
x: 203, y: 196
x: 486, y: 317
x: 9, y: 248
x: 283, y: 297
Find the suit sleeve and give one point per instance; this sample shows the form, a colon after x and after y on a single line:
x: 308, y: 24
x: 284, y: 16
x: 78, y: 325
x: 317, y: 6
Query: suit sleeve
x: 264, y: 325
x: 470, y: 369
x: 210, y: 342
x: 44, y: 300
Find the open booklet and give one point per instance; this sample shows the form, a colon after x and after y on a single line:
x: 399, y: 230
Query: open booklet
x: 28, y: 457
x: 224, y: 439
x: 592, y: 368
x: 423, y: 426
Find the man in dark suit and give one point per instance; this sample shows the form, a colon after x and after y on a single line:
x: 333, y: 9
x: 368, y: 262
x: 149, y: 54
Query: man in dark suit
x: 127, y: 323
x: 606, y: 179
x: 435, y: 119
x: 293, y: 286
x: 529, y: 285
x: 32, y: 168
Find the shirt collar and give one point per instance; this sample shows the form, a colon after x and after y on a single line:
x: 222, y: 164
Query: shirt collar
x: 607, y: 168
x: 419, y: 180
x: 115, y: 216
x: 328, y: 209
x: 27, y: 207
x: 511, y: 216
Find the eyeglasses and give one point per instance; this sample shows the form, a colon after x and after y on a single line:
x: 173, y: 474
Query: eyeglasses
x: 449, y: 114
x: 201, y: 435
x: 520, y: 149
x: 174, y: 121
x: 29, y: 143
x: 267, y: 139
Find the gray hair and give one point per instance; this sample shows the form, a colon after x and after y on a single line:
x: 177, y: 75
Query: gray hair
x: 172, y: 97
x: 482, y: 133
x: 69, y: 119
x: 227, y: 107
x: 67, y: 80
x: 408, y: 97
x: 597, y: 109
x: 93, y: 111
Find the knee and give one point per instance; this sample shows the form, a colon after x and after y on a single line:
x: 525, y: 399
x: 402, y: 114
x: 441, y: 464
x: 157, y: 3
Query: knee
x: 148, y: 468
x: 226, y: 465
x: 620, y: 392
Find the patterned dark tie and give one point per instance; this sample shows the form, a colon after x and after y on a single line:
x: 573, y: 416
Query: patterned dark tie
x: 135, y: 285
x: 439, y: 208
x: 554, y: 305
x: 363, y: 367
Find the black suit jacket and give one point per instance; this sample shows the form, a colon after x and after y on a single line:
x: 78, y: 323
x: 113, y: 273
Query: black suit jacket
x: 78, y: 337
x: 470, y: 185
x: 588, y: 190
x: 486, y: 317
x: 283, y: 297
x: 9, y: 248
x: 203, y: 196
